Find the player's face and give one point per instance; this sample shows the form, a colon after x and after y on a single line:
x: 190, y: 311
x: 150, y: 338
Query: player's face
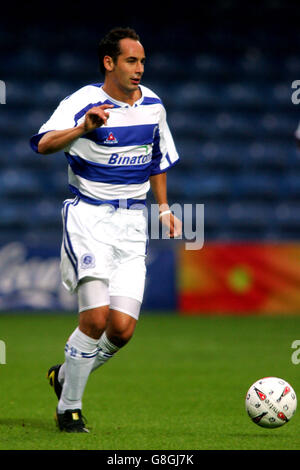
x: 129, y: 66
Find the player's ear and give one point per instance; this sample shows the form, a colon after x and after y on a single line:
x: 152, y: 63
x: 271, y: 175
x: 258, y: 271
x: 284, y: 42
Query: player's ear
x: 108, y: 63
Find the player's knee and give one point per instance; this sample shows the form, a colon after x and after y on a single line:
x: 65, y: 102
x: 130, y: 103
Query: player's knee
x: 120, y: 333
x: 120, y: 338
x: 94, y: 321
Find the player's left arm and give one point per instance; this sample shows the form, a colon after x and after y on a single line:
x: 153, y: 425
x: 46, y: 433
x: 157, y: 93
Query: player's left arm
x: 159, y: 188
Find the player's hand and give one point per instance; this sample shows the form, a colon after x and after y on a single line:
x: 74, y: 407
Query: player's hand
x: 96, y: 117
x: 173, y: 224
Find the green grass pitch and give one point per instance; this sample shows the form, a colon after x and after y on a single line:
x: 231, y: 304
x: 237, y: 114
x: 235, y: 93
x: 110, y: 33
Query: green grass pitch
x: 179, y: 384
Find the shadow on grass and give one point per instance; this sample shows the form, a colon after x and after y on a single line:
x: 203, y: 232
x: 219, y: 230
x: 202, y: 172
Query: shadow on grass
x: 29, y: 423
x: 249, y: 435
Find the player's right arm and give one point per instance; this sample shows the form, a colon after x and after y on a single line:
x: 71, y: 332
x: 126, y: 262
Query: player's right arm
x: 54, y: 141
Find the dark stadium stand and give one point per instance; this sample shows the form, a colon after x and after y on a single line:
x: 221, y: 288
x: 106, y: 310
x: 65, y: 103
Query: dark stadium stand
x: 228, y: 96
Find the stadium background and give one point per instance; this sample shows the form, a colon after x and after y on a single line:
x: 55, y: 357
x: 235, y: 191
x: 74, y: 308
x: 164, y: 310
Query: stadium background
x: 224, y: 72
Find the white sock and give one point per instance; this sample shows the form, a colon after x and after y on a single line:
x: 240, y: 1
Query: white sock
x: 106, y: 350
x: 61, y: 374
x: 80, y: 353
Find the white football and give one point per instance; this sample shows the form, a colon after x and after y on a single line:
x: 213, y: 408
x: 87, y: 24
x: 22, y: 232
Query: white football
x: 271, y: 402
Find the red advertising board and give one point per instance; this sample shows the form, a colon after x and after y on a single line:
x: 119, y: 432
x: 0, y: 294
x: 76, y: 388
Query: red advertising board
x: 241, y: 278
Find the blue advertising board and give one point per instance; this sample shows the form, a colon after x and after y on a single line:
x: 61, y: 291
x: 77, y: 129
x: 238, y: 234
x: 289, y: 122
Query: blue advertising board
x: 30, y: 279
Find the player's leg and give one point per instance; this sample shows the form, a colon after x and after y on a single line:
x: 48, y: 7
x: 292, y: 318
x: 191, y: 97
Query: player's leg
x: 93, y: 315
x: 82, y: 258
x: 126, y: 288
x: 122, y: 320
x: 84, y: 350
x: 82, y: 346
x: 80, y: 352
x: 120, y: 327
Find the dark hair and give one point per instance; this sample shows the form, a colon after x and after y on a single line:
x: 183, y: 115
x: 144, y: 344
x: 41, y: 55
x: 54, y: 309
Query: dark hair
x: 110, y: 44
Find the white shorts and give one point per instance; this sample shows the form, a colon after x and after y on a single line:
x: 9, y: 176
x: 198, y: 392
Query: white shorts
x: 104, y: 243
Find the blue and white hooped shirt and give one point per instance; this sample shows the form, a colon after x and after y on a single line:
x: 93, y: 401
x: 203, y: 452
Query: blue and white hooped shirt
x: 115, y: 161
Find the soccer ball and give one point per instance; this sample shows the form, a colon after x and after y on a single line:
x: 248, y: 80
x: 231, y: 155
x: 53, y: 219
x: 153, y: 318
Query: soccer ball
x: 271, y: 402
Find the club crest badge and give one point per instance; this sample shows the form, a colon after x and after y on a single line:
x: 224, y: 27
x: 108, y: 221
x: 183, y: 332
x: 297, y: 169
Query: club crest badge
x: 87, y: 261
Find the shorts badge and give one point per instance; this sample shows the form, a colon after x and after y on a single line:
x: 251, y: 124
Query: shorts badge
x: 87, y: 261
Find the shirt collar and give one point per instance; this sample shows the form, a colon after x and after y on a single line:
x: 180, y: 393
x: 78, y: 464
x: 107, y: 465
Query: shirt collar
x: 123, y: 104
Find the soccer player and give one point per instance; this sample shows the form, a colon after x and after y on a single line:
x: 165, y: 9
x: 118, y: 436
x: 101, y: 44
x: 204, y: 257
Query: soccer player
x: 118, y: 145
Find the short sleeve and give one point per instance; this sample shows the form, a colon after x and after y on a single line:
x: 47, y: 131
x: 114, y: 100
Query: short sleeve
x: 69, y: 113
x: 62, y: 118
x: 164, y: 153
